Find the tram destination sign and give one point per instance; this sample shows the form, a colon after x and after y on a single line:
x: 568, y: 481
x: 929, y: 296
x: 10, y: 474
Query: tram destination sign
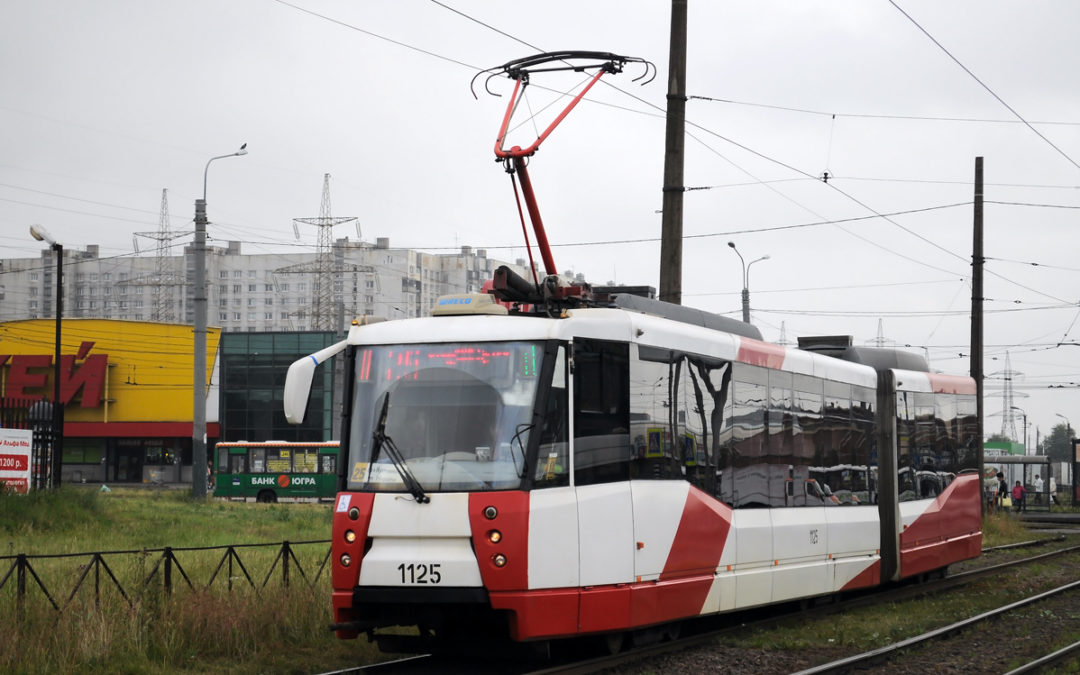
x: 15, y: 460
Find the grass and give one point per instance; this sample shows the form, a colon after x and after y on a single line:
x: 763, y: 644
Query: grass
x: 272, y: 629
x: 1003, y: 528
x: 275, y: 629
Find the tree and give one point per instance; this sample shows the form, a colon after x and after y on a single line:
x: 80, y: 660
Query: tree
x: 1058, y: 444
x: 999, y: 438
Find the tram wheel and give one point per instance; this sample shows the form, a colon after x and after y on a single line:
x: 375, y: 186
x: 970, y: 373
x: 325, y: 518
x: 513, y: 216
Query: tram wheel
x: 613, y: 643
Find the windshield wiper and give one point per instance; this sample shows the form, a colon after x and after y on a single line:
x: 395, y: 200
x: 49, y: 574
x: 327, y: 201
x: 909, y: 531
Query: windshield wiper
x: 521, y: 428
x: 379, y: 440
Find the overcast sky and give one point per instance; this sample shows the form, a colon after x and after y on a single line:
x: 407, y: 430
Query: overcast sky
x: 105, y: 103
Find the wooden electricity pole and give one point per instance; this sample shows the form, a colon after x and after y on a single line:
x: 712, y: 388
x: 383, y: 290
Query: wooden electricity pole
x: 672, y: 222
x: 976, y: 307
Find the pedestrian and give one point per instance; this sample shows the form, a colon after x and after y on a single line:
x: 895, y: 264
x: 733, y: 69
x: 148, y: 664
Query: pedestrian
x: 1003, y: 489
x: 1053, y: 489
x: 1018, y: 494
x: 1038, y: 488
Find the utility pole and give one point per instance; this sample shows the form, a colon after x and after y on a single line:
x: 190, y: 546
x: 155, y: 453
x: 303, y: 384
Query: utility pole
x: 976, y: 306
x: 198, y: 413
x: 674, y: 151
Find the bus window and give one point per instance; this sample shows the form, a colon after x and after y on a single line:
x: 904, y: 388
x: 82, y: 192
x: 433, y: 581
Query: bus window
x: 258, y: 460
x: 237, y: 463
x: 278, y: 461
x: 329, y: 464
x: 305, y: 461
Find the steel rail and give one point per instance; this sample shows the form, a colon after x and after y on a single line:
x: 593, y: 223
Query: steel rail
x: 874, y: 655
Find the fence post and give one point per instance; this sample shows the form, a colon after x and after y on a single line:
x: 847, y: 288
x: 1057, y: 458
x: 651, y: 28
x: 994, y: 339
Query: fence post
x: 285, y: 563
x: 97, y: 581
x: 168, y: 570
x: 20, y: 583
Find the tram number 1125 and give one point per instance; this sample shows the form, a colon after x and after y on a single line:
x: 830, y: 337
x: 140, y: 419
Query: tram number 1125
x: 420, y: 573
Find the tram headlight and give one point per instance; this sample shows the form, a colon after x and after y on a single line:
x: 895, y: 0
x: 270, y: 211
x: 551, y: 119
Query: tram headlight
x: 494, y: 536
x: 346, y: 559
x: 490, y: 512
x: 354, y: 513
x: 350, y: 536
x: 499, y: 559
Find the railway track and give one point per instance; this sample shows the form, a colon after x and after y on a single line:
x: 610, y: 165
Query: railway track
x: 642, y: 657
x: 707, y: 630
x: 882, y: 654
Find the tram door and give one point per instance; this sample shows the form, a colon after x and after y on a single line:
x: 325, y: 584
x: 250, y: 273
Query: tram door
x: 602, y: 466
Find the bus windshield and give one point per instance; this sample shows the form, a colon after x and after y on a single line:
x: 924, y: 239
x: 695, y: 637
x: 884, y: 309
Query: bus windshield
x: 453, y: 416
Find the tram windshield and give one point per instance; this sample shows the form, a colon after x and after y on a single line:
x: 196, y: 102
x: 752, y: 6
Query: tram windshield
x: 442, y: 417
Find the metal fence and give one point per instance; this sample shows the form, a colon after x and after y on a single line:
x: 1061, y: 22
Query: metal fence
x: 167, y: 571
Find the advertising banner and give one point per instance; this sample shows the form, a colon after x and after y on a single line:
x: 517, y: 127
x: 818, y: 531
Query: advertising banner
x: 15, y: 447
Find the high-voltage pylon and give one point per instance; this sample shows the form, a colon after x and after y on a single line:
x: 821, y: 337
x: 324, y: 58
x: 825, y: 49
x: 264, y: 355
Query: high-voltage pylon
x: 1008, y: 409
x: 881, y: 340
x: 164, y: 278
x: 324, y: 270
x: 783, y: 336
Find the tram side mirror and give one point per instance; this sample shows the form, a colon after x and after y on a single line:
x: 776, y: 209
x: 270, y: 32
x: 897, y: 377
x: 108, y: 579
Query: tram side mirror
x: 298, y: 381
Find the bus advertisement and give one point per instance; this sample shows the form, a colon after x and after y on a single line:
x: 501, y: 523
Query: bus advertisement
x: 269, y: 471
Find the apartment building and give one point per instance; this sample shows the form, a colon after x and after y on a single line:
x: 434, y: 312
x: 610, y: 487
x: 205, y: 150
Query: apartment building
x: 260, y: 292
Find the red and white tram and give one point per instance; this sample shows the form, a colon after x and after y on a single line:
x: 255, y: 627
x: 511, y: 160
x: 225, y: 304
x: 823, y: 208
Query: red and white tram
x: 612, y: 469
x: 616, y: 464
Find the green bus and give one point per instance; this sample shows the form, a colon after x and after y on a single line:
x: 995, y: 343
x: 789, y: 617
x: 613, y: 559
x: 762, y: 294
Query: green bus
x: 267, y: 471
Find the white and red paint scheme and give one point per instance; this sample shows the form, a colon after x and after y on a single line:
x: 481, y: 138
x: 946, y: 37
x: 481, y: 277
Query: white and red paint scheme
x: 615, y: 556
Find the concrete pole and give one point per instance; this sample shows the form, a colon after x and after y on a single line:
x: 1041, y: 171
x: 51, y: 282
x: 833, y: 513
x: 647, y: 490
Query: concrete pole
x: 198, y: 420
x: 198, y: 413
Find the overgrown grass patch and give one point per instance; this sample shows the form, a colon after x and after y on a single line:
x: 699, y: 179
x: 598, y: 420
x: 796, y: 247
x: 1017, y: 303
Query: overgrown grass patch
x: 267, y: 629
x: 1004, y: 528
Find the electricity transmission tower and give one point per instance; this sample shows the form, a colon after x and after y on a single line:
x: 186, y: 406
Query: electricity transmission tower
x: 1008, y: 411
x: 164, y: 278
x: 323, y: 311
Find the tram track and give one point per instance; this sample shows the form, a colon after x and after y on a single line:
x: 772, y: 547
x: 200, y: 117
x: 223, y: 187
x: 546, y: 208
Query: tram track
x: 881, y: 654
x: 749, y: 621
x: 641, y: 656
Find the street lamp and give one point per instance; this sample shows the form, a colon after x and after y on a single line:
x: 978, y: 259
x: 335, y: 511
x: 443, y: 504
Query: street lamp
x: 1068, y: 427
x: 57, y: 460
x: 198, y: 421
x: 745, y: 281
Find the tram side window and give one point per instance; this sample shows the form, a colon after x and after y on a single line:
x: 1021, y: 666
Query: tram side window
x: 780, y: 446
x: 751, y: 474
x: 968, y: 433
x: 841, y: 468
x: 601, y: 412
x: 808, y: 405
x: 651, y: 434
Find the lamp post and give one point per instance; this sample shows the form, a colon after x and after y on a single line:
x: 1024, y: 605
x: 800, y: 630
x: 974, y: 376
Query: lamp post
x: 198, y: 420
x: 745, y: 281
x: 57, y: 456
